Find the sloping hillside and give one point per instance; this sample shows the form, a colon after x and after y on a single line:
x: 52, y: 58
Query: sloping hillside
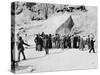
x: 84, y: 22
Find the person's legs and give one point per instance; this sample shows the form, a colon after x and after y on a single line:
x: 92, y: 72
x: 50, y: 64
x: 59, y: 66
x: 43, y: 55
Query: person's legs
x: 46, y: 50
x: 23, y: 55
x: 93, y: 50
x: 70, y: 45
x: 60, y: 44
x: 88, y: 46
x: 50, y: 44
x: 56, y: 44
x: 90, y: 50
x: 40, y: 47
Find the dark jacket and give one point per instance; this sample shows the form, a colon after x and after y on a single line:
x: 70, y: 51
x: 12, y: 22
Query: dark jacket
x: 38, y: 41
x: 92, y: 43
x: 20, y: 45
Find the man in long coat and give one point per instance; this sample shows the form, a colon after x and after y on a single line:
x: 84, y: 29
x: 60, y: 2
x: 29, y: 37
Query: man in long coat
x: 46, y: 44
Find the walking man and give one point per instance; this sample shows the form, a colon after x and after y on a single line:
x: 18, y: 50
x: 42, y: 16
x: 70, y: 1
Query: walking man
x: 92, y: 46
x: 21, y: 48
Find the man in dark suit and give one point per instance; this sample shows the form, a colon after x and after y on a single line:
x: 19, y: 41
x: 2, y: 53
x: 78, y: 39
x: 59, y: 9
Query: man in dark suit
x: 21, y: 48
x: 36, y: 41
x: 92, y: 46
x: 50, y: 41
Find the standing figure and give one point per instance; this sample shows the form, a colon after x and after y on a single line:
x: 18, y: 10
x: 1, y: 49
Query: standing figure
x: 69, y: 42
x: 72, y: 41
x: 89, y: 42
x: 65, y: 42
x: 39, y: 43
x: 53, y: 42
x: 75, y: 42
x: 50, y: 41
x: 92, y: 46
x: 57, y: 38
x: 81, y: 43
x: 62, y: 42
x: 45, y: 44
x: 21, y: 48
x: 78, y: 41
x: 36, y: 41
x: 56, y: 41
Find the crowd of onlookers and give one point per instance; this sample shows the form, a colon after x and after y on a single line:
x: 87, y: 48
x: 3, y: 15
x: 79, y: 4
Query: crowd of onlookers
x: 48, y: 41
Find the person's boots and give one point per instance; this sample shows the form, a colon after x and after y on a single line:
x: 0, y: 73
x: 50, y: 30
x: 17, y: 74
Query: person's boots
x: 24, y: 59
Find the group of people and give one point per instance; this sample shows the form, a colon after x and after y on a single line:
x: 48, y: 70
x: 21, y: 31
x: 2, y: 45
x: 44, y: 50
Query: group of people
x: 43, y: 41
x: 48, y: 41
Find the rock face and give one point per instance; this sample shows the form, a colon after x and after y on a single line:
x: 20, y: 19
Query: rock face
x: 41, y: 11
x: 32, y: 18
